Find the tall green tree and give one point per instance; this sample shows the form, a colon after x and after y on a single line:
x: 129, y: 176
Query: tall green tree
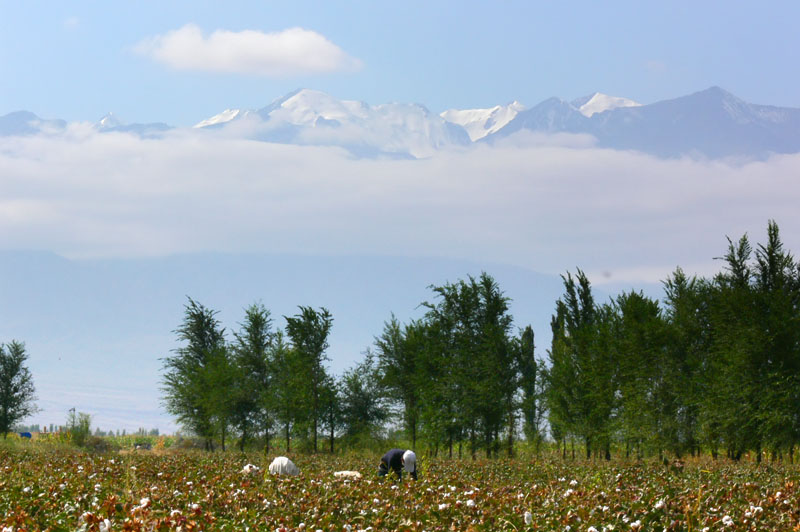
x: 363, y: 406
x: 252, y: 349
x: 777, y: 283
x: 399, y: 351
x: 17, y: 392
x: 308, y: 331
x: 469, y: 369
x: 647, y: 403
x: 581, y: 394
x: 687, y: 320
x: 288, y: 386
x: 188, y: 378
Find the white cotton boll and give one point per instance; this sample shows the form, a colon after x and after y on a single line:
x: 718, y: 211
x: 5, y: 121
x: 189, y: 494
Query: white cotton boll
x: 573, y: 483
x: 471, y: 503
x: 659, y: 504
x: 443, y: 506
x: 105, y: 525
x: 250, y: 469
x: 528, y: 517
x: 727, y: 520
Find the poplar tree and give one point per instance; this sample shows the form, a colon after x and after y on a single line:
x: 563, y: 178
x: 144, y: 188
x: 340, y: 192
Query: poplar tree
x: 308, y: 331
x: 188, y: 383
x: 17, y: 392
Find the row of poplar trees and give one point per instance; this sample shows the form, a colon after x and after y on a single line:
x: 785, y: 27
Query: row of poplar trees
x: 712, y: 366
x: 456, y: 376
x: 715, y: 366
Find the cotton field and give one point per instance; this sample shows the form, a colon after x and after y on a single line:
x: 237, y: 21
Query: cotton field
x: 65, y: 490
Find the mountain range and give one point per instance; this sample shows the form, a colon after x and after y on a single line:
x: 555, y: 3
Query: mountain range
x: 712, y: 123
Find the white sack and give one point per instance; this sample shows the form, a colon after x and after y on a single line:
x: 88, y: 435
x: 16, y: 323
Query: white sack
x: 347, y: 475
x: 283, y: 466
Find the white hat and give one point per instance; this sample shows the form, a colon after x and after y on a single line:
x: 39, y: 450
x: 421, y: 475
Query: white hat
x: 409, y: 459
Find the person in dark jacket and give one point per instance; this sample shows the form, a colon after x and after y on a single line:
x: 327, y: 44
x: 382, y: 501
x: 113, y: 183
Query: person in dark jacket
x: 398, y: 460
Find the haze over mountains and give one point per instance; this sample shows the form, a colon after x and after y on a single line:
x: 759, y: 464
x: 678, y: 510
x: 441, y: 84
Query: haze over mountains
x: 712, y: 123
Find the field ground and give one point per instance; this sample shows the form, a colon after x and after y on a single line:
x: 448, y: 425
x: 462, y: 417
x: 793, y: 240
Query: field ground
x: 62, y: 489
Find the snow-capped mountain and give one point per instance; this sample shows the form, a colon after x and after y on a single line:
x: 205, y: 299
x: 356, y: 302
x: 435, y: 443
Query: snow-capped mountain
x: 225, y: 116
x: 481, y: 122
x: 315, y: 118
x: 712, y: 123
x: 599, y: 102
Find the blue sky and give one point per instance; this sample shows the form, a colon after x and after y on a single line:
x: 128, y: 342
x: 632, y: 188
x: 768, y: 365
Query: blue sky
x: 77, y: 60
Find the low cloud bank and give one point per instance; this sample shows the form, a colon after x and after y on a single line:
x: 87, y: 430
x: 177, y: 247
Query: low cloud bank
x: 545, y: 206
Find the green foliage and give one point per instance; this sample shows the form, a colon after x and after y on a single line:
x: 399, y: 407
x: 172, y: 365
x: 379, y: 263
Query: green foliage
x: 78, y: 427
x: 309, y: 332
x: 713, y: 366
x: 191, y: 373
x: 717, y: 367
x: 17, y: 393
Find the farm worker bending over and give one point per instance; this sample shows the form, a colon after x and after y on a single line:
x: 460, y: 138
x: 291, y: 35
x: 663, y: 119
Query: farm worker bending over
x: 398, y: 460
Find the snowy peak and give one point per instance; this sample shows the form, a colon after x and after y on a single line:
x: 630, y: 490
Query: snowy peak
x: 313, y: 117
x: 599, y: 102
x: 225, y: 116
x: 481, y: 122
x: 306, y: 107
x: 108, y: 121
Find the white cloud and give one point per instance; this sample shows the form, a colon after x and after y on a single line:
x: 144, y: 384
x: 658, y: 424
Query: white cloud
x: 550, y: 208
x: 295, y: 51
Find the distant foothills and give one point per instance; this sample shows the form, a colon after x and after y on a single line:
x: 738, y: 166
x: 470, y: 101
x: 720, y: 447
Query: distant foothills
x: 710, y: 124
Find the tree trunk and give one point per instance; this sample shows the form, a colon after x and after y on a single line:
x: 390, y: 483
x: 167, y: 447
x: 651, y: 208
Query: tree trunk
x: 472, y: 443
x: 287, y: 437
x: 511, y: 423
x: 315, y: 433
